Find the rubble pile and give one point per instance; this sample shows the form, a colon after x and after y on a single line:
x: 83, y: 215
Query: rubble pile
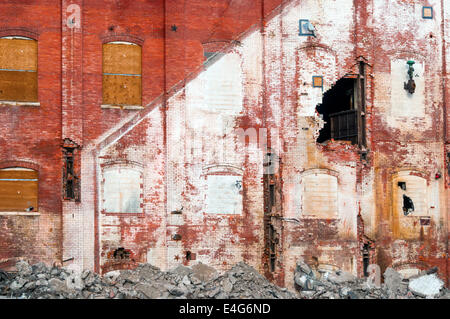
x: 203, y: 282
x: 323, y: 284
x: 144, y: 282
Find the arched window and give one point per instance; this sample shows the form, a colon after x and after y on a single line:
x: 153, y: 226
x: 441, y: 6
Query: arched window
x: 18, y: 189
x: 18, y: 69
x: 122, y: 68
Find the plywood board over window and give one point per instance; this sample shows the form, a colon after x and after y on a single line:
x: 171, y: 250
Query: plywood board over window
x: 18, y: 189
x: 122, y: 80
x: 18, y: 69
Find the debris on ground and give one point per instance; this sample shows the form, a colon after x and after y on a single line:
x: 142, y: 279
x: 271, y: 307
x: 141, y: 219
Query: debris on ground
x: 339, y: 284
x: 204, y: 282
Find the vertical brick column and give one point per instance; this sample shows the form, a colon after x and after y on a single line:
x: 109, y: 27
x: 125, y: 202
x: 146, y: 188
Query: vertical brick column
x: 72, y: 68
x: 77, y: 228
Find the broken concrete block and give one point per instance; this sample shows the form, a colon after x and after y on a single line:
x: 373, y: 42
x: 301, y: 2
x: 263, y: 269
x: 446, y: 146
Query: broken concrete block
x: 39, y: 268
x: 392, y: 280
x: 58, y: 286
x: 181, y: 271
x: 304, y: 281
x: 303, y: 267
x: 227, y: 286
x: 74, y: 282
x: 24, y: 268
x: 426, y: 286
x: 18, y: 284
x: 340, y: 277
x: 112, y: 275
x: 150, y: 291
x: 203, y: 272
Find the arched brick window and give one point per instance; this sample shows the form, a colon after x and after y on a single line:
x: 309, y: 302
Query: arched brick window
x: 122, y: 73
x: 18, y: 189
x: 18, y: 69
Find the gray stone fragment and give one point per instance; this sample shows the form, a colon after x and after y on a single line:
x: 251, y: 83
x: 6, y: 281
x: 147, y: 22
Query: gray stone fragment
x: 227, y: 286
x: 392, y: 280
x: 426, y: 286
x: 181, y: 271
x: 112, y: 275
x: 214, y: 292
x: 42, y: 282
x: 23, y: 268
x: 58, y: 286
x: 301, y: 266
x: 74, y: 282
x: 341, y: 277
x: 203, y: 272
x: 149, y: 290
x: 40, y: 268
x: 18, y: 284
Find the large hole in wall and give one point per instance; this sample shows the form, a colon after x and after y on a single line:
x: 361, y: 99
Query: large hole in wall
x: 339, y: 111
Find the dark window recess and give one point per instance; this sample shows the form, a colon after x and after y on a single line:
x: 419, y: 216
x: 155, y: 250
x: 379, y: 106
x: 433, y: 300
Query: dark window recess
x: 272, y: 247
x: 190, y: 255
x: 408, y: 205
x: 366, y: 259
x: 448, y: 164
x: 425, y: 221
x: 339, y: 113
x: 271, y: 195
x: 343, y: 110
x: 70, y: 178
x: 121, y: 253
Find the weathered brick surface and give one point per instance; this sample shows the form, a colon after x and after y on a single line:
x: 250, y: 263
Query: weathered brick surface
x: 179, y: 139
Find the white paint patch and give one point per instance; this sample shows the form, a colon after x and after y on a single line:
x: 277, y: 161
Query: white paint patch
x: 404, y: 104
x: 121, y: 191
x: 224, y: 194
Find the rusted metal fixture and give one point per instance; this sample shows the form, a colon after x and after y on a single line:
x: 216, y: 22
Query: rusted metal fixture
x: 411, y: 85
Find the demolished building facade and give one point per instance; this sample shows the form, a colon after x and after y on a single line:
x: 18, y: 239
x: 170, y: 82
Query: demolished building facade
x: 177, y: 132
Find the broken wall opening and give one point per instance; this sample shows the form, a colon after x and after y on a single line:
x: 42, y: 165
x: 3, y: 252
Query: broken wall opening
x: 343, y: 109
x: 339, y: 111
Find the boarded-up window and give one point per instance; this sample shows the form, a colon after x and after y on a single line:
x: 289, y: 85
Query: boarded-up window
x: 122, y: 190
x: 18, y: 189
x: 18, y: 69
x: 319, y: 195
x: 224, y: 194
x: 122, y: 81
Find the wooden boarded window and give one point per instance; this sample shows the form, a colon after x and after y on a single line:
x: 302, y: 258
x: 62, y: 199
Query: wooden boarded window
x: 122, y: 80
x: 18, y: 189
x: 18, y: 69
x: 319, y: 195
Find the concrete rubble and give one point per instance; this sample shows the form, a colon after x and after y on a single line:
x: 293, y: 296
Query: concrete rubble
x: 204, y: 282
